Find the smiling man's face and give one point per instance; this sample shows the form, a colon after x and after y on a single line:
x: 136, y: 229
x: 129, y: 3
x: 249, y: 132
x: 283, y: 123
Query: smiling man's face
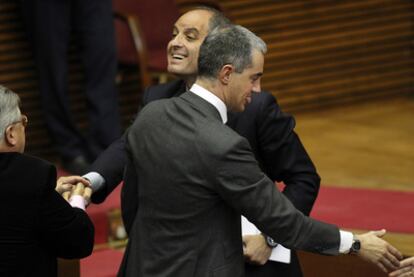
x: 188, y: 34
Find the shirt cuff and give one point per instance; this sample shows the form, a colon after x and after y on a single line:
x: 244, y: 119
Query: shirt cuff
x: 77, y: 201
x: 346, y: 241
x: 96, y: 179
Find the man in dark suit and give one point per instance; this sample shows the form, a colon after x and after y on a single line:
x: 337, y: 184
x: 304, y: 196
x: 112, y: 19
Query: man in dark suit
x: 37, y: 224
x: 269, y: 131
x: 189, y: 177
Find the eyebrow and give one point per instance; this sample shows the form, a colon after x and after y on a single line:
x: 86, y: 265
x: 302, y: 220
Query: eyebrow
x: 191, y: 30
x: 260, y: 74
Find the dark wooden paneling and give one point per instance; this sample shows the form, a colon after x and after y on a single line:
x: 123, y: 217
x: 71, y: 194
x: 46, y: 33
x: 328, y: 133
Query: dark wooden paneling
x: 17, y: 72
x: 326, y: 52
x: 321, y: 53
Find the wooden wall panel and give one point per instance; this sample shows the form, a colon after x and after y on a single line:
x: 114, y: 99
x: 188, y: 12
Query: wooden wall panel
x: 17, y: 72
x: 321, y: 53
x: 325, y: 52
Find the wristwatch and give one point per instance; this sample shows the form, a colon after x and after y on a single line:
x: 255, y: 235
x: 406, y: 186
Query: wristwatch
x: 355, y: 247
x: 269, y: 241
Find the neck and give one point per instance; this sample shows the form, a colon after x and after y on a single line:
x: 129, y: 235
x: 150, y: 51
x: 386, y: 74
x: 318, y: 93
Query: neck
x: 189, y: 80
x: 4, y: 148
x: 211, y: 86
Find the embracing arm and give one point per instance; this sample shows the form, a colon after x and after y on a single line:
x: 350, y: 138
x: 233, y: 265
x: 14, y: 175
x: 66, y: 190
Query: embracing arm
x: 110, y: 165
x: 240, y: 183
x: 283, y: 156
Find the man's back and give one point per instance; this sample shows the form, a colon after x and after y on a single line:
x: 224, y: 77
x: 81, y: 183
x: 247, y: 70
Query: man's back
x: 37, y: 224
x: 196, y: 176
x: 183, y: 226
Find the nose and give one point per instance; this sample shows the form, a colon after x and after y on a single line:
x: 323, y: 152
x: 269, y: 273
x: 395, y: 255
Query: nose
x: 256, y: 87
x: 176, y: 41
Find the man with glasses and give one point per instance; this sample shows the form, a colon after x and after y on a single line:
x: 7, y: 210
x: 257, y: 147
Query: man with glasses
x: 37, y: 224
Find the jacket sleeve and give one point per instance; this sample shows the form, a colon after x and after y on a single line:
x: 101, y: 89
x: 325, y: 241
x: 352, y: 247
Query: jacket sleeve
x: 112, y: 162
x: 249, y: 191
x: 284, y: 157
x: 110, y: 165
x: 65, y: 231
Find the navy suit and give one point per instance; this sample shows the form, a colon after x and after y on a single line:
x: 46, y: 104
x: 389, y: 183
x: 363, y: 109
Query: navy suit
x: 276, y: 146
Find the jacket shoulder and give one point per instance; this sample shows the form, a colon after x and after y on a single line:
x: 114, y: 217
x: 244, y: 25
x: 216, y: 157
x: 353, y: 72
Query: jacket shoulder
x: 165, y: 90
x: 26, y: 166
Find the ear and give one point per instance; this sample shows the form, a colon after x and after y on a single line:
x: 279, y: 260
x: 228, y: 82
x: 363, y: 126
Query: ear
x: 225, y: 73
x: 10, y: 136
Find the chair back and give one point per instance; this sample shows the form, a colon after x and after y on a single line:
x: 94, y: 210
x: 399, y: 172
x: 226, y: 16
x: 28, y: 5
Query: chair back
x: 156, y: 20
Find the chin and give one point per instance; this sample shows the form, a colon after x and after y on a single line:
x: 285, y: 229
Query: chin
x: 237, y: 109
x: 173, y: 69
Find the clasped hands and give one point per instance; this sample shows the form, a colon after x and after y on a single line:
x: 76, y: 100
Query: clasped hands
x: 376, y: 250
x: 373, y: 249
x: 74, y: 185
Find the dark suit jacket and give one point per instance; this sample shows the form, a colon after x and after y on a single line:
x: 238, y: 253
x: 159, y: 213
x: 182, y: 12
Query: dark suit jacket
x: 37, y: 224
x: 269, y: 131
x: 196, y: 176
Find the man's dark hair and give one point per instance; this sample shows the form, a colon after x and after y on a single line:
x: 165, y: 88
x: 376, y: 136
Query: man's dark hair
x: 217, y: 20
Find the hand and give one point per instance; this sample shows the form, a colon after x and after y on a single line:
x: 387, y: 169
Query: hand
x: 406, y: 269
x: 378, y: 251
x: 82, y: 190
x: 255, y: 249
x: 67, y: 183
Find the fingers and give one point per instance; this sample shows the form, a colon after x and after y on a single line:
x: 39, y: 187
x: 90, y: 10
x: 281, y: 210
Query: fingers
x: 403, y: 272
x: 394, y: 261
x: 87, y: 194
x: 389, y: 264
x: 382, y: 267
x: 378, y: 251
x: 407, y: 262
x: 73, y: 179
x: 63, y: 187
x: 246, y: 238
x: 79, y: 188
x: 395, y: 253
x: 379, y: 233
x: 256, y: 251
x: 66, y: 195
x: 406, y: 268
x: 390, y: 258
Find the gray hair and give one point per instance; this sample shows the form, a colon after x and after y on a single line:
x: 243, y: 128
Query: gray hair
x: 9, y: 109
x: 233, y: 45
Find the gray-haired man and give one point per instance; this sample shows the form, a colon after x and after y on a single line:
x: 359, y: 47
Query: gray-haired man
x: 37, y: 224
x: 196, y: 176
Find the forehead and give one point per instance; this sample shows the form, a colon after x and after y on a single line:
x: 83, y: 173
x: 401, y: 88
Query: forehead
x: 257, y: 63
x: 257, y: 58
x: 197, y: 19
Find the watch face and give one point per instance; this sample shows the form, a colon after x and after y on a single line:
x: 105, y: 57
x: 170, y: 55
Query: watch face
x: 271, y: 242
x: 356, y: 246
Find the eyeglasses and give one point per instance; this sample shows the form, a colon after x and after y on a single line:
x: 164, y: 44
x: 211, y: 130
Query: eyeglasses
x: 23, y: 120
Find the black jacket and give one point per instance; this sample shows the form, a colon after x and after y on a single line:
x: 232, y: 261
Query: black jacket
x: 36, y: 224
x: 269, y: 131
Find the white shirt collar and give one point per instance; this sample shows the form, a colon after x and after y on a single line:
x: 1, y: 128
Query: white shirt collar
x: 212, y: 99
